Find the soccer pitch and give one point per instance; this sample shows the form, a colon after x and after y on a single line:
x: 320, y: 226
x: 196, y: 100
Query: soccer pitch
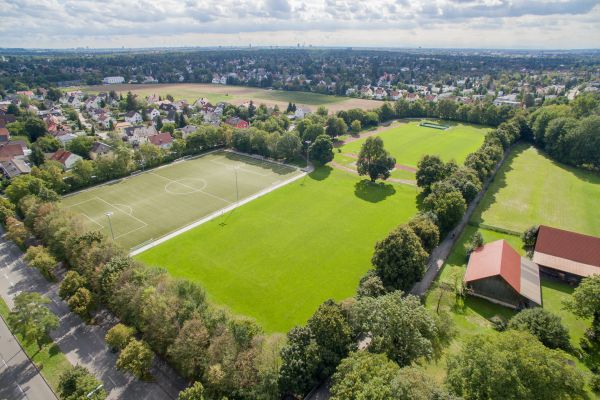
x: 145, y: 207
x: 409, y: 142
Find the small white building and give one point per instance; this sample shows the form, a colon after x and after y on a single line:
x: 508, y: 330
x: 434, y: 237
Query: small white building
x: 301, y: 112
x: 113, y: 80
x: 133, y: 117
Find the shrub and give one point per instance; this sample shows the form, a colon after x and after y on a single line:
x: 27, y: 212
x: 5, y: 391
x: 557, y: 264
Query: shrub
x: 544, y: 325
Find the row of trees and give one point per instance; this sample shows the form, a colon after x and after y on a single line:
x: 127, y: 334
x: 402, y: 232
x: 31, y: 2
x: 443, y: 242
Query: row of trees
x: 229, y: 355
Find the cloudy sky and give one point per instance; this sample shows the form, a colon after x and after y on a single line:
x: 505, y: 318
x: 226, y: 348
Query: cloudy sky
x: 390, y: 23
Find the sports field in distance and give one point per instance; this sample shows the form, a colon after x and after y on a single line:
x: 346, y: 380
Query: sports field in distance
x: 152, y: 204
x: 277, y: 258
x: 531, y: 189
x: 408, y: 142
x: 238, y: 95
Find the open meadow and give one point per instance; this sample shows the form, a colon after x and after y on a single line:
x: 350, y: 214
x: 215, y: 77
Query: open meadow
x: 277, y: 258
x: 408, y: 142
x: 532, y: 189
x: 151, y: 204
x: 238, y: 95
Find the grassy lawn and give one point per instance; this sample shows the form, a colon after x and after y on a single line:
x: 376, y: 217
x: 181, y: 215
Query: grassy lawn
x: 314, y: 99
x: 50, y: 360
x: 533, y: 189
x: 277, y: 258
x: 409, y: 142
x: 154, y: 203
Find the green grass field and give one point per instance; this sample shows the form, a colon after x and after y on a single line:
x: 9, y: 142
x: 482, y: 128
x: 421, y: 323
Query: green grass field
x: 50, y: 360
x: 152, y: 204
x: 531, y: 189
x: 314, y: 99
x: 409, y: 142
x: 277, y: 258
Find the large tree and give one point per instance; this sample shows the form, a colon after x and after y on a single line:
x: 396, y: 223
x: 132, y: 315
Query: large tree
x: 425, y: 227
x: 448, y: 206
x: 189, y: 351
x: 374, y: 160
x: 321, y: 150
x: 333, y: 335
x: 585, y: 303
x: 430, y: 169
x: 400, y: 259
x: 512, y: 365
x: 34, y: 128
x: 300, y: 361
x: 399, y: 326
x: 78, y: 383
x: 31, y: 318
x: 364, y: 375
x: 136, y: 358
x: 194, y: 392
x: 544, y: 325
x: 288, y: 146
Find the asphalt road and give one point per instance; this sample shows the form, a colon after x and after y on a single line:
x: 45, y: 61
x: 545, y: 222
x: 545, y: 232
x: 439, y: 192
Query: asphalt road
x: 82, y: 344
x: 19, y: 379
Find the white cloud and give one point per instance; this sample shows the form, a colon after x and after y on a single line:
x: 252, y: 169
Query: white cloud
x: 443, y: 23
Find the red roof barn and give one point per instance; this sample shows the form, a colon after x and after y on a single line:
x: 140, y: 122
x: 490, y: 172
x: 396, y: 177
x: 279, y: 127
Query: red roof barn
x: 567, y: 254
x: 496, y: 272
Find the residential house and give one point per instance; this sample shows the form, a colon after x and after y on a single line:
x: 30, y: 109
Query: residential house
x: 567, y: 255
x: 133, y: 117
x: 164, y: 140
x: 497, y: 273
x: 167, y: 106
x: 188, y: 130
x: 237, y: 123
x: 366, y: 91
x: 139, y: 134
x: 66, y: 158
x: 14, y: 167
x: 4, y: 135
x: 100, y: 149
x: 301, y: 112
x: 64, y: 139
x: 171, y: 117
x: 11, y: 150
x: 395, y: 94
x: 152, y: 113
x: 380, y: 93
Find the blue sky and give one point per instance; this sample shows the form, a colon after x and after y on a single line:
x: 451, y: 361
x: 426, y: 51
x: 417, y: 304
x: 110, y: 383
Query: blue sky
x: 389, y: 23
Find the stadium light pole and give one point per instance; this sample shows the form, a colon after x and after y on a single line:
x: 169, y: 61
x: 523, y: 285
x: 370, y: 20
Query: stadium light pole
x: 237, y: 192
x: 112, y: 234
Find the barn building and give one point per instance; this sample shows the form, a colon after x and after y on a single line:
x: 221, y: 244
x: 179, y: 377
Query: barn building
x: 497, y: 273
x: 567, y: 255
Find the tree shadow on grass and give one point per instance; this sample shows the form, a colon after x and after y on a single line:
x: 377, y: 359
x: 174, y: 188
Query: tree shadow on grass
x: 373, y: 192
x: 321, y: 172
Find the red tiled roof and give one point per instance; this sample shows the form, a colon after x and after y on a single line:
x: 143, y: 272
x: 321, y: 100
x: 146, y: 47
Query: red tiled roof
x: 492, y: 259
x: 569, y: 245
x: 4, y: 132
x: 10, y: 150
x: 161, y: 138
x: 61, y: 156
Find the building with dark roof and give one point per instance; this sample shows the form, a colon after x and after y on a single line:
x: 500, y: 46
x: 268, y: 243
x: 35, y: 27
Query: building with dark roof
x: 497, y: 273
x: 568, y: 255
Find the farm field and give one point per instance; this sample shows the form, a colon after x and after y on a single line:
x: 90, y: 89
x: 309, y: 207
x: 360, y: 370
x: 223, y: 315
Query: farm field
x: 408, y: 142
x: 277, y: 258
x: 531, y: 189
x: 152, y: 204
x: 238, y: 95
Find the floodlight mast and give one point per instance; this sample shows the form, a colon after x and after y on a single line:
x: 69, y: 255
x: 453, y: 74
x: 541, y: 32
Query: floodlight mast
x: 112, y: 234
